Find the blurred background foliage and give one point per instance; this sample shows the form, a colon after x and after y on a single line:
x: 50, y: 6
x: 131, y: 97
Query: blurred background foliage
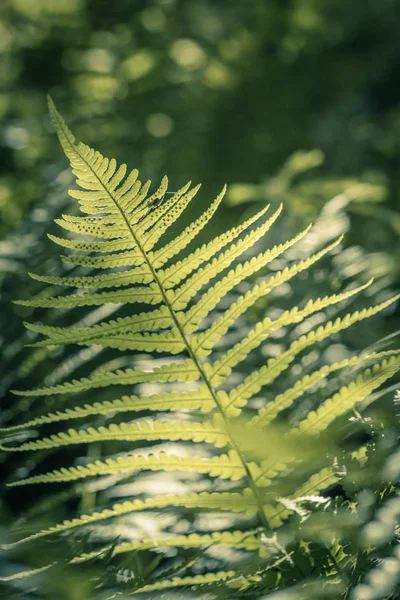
x: 216, y: 91
x: 285, y: 100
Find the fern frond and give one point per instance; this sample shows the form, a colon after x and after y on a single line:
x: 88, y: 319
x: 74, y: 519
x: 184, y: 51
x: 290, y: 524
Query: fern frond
x: 161, y: 225
x: 283, y: 401
x: 348, y: 396
x: 101, y: 247
x: 224, y: 501
x: 145, y: 295
x: 200, y: 399
x: 179, y: 243
x: 159, y: 318
x: 184, y: 371
x: 137, y: 275
x: 260, y: 333
x: 120, y: 247
x: 139, y: 430
x: 275, y: 366
x: 210, y: 299
x: 98, y: 231
x: 174, y: 274
x: 129, y: 258
x: 189, y: 581
x: 246, y: 540
x: 147, y: 216
x: 339, y: 404
x: 225, y: 466
x: 170, y: 341
x: 180, y: 297
x: 24, y: 574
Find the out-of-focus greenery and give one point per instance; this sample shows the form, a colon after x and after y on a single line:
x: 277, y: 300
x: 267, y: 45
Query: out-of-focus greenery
x: 212, y: 90
x: 294, y: 101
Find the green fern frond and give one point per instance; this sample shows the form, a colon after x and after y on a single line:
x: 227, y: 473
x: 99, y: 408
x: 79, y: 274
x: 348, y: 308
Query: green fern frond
x: 349, y: 395
x: 121, y: 258
x: 183, y: 371
x: 200, y: 399
x: 164, y: 254
x: 275, y: 366
x: 283, y: 401
x: 245, y: 540
x: 339, y: 404
x: 130, y: 258
x: 225, y: 466
x: 145, y: 295
x: 210, y: 299
x: 190, y: 581
x: 137, y: 275
x: 224, y: 501
x: 24, y: 574
x: 260, y: 333
x: 139, y: 430
x: 157, y: 319
x: 101, y: 247
x: 180, y: 298
x: 174, y: 274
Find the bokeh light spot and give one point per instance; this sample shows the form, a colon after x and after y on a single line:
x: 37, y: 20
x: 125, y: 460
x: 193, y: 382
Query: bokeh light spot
x: 159, y: 125
x: 139, y: 64
x: 187, y: 54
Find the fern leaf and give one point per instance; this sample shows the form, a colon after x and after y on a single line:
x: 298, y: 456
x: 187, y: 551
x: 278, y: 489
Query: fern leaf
x: 134, y: 258
x: 139, y: 275
x: 144, y: 207
x: 125, y: 226
x: 170, y: 341
x: 232, y: 279
x: 154, y: 320
x: 96, y: 231
x: 225, y: 466
x: 151, y: 217
x: 283, y: 401
x: 275, y: 366
x: 185, y: 371
x: 139, y: 430
x: 180, y: 242
x: 183, y: 268
x: 200, y: 399
x: 23, y: 574
x: 224, y: 501
x: 189, y: 581
x: 161, y: 225
x: 182, y: 295
x: 145, y: 295
x: 260, y: 333
x: 247, y: 540
x: 343, y: 401
x: 104, y: 247
x: 348, y: 396
x: 130, y: 258
x: 210, y: 299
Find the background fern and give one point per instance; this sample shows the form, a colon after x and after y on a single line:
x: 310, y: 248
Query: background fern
x: 263, y: 483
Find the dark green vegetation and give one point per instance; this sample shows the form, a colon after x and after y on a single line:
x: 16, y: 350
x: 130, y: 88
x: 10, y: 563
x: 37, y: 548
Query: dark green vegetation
x: 214, y: 92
